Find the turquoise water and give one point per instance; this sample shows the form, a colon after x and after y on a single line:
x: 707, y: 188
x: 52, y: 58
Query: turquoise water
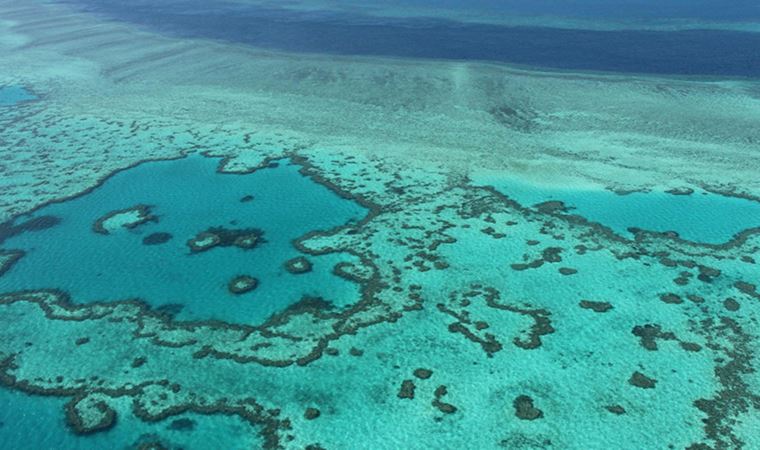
x: 11, y: 95
x: 188, y: 196
x: 700, y: 217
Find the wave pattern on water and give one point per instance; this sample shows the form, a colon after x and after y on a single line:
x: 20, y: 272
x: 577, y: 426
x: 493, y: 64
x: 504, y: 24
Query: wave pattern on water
x: 685, y: 52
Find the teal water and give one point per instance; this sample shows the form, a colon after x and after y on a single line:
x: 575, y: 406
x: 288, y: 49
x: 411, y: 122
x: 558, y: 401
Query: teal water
x: 188, y: 196
x: 700, y: 217
x: 11, y: 95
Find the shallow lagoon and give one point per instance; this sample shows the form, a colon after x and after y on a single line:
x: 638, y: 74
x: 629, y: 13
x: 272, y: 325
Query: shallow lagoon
x: 700, y: 217
x: 188, y: 196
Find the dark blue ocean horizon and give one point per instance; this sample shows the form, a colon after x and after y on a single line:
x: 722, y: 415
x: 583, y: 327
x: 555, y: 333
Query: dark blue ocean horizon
x: 693, y: 52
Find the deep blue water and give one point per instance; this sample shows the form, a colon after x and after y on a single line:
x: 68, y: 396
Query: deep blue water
x: 709, y: 10
x: 188, y: 197
x: 685, y: 52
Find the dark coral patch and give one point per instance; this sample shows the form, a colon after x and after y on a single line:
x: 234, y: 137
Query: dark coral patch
x: 170, y: 309
x: 747, y: 288
x: 446, y: 408
x: 311, y: 413
x: 525, y: 266
x: 615, y: 409
x: 8, y: 230
x: 680, y: 191
x: 298, y: 265
x: 183, y: 424
x: 551, y: 207
x: 567, y: 271
x: 642, y: 381
x: 707, y: 274
x: 599, y: 307
x: 406, y: 390
x: 8, y: 258
x: 138, y: 362
x: 690, y: 346
x: 525, y: 410
x: 648, y: 335
x: 423, y: 374
x: 246, y: 239
x: 157, y: 238
x: 481, y: 325
x: 548, y: 255
x: 552, y: 254
x: 731, y: 304
x: 671, y: 299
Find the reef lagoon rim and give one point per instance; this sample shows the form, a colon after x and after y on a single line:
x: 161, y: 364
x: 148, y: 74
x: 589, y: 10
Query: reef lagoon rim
x: 131, y: 238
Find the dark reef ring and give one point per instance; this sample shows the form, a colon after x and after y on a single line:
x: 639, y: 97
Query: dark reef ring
x: 144, y: 215
x: 247, y: 241
x: 203, y: 241
x: 242, y: 284
x: 105, y: 415
x: 298, y: 265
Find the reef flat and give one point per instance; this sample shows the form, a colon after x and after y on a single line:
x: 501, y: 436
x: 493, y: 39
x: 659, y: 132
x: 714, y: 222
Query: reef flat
x: 402, y: 293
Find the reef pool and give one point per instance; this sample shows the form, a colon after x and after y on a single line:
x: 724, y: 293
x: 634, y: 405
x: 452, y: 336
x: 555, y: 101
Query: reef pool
x: 98, y: 246
x: 698, y: 216
x: 12, y: 95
